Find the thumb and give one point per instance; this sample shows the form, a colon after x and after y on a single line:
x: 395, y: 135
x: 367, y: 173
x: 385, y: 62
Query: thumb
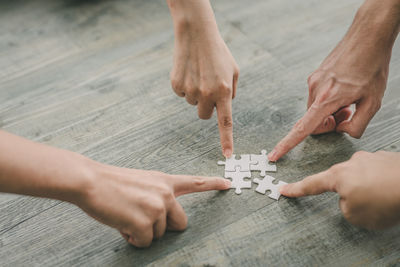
x: 311, y: 185
x: 356, y: 126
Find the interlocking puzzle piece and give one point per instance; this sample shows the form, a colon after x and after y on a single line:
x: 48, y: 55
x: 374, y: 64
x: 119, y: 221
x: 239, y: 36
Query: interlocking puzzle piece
x: 238, y: 181
x: 231, y: 163
x: 262, y: 163
x: 266, y: 184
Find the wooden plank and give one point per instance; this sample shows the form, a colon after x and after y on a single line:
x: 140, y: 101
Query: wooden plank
x: 290, y: 169
x: 108, y: 96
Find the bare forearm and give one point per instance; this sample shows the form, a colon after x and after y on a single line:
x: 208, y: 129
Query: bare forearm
x: 372, y: 35
x: 38, y: 170
x: 192, y: 17
x: 377, y: 21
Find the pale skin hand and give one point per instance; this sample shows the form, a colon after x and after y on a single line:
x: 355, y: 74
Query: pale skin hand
x: 355, y: 72
x: 368, y: 185
x: 204, y: 71
x: 140, y: 204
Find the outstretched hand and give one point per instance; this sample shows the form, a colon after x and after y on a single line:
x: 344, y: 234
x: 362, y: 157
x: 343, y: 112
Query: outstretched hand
x: 142, y: 204
x: 368, y: 185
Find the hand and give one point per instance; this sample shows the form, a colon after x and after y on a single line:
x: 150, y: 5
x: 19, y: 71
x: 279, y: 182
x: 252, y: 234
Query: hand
x: 355, y: 72
x: 142, y: 204
x: 368, y: 185
x: 204, y: 71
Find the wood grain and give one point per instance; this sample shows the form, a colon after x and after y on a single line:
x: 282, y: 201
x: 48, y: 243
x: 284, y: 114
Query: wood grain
x: 93, y: 77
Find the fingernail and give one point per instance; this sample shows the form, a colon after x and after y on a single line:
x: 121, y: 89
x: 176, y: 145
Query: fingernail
x: 272, y: 155
x: 228, y: 153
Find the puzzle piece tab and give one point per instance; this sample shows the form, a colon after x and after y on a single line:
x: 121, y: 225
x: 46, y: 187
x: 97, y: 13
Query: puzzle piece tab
x: 262, y: 163
x: 266, y: 184
x: 231, y: 163
x: 238, y: 181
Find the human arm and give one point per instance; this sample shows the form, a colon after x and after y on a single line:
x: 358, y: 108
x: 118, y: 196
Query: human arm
x: 368, y: 185
x: 140, y: 204
x: 204, y: 71
x: 355, y: 72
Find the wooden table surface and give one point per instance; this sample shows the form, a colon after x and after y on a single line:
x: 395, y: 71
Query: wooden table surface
x: 93, y: 77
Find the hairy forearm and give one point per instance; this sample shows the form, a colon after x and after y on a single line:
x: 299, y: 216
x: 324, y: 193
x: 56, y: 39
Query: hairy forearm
x: 192, y: 17
x: 378, y: 22
x: 34, y: 169
x: 369, y: 41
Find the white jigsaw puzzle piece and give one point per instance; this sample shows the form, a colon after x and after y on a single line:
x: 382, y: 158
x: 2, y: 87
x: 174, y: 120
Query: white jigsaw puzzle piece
x: 262, y: 163
x: 238, y: 181
x: 267, y: 184
x: 231, y: 163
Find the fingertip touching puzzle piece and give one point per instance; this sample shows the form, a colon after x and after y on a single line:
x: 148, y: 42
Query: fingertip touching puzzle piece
x: 267, y: 184
x: 238, y: 181
x: 239, y: 169
x: 262, y: 163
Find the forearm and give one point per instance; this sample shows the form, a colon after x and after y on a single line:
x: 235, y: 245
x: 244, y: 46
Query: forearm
x: 34, y: 169
x: 377, y: 22
x: 369, y: 40
x: 192, y: 17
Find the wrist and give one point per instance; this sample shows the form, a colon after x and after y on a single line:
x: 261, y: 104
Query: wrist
x: 192, y: 18
x: 78, y: 182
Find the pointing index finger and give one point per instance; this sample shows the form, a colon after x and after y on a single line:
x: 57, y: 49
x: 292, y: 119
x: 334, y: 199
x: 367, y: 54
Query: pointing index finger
x: 225, y: 125
x: 311, y: 185
x: 185, y: 184
x: 304, y: 127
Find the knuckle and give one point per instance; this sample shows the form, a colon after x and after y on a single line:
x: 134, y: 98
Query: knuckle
x: 144, y: 225
x: 377, y: 106
x: 332, y: 80
x: 207, y: 94
x: 183, y: 224
x: 324, y: 97
x: 158, y: 207
x: 300, y: 128
x: 355, y: 132
x: 329, y: 90
x: 191, y: 90
x: 191, y: 101
x: 166, y: 193
x: 143, y: 243
x: 227, y: 122
x: 176, y: 84
x: 345, y: 209
x: 312, y: 81
x: 152, y: 204
x: 224, y: 88
x: 199, y: 181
